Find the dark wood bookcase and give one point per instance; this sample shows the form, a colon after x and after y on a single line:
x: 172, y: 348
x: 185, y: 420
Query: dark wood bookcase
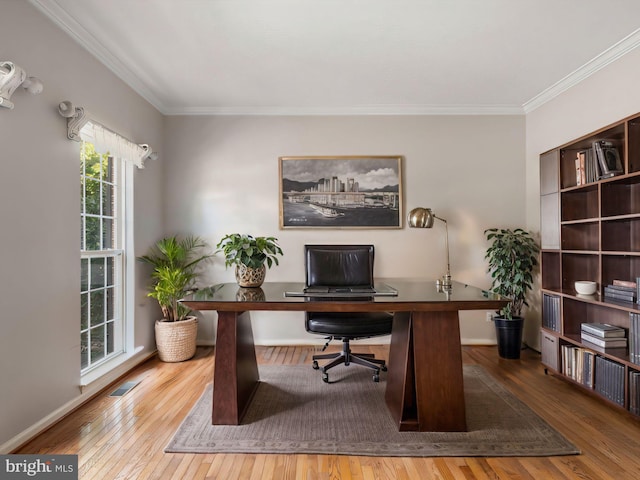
x: 589, y: 231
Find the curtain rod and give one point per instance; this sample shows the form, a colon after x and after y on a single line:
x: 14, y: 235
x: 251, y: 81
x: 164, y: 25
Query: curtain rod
x: 77, y: 118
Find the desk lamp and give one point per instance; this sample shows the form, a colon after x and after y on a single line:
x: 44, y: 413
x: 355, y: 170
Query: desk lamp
x: 424, y: 218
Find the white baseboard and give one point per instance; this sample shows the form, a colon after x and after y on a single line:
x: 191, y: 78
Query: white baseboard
x: 87, y: 392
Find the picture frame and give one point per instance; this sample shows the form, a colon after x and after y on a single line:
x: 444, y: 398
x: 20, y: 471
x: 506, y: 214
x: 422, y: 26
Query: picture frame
x: 341, y: 192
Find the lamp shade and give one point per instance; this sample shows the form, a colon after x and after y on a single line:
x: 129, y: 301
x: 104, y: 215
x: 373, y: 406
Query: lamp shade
x: 420, y: 218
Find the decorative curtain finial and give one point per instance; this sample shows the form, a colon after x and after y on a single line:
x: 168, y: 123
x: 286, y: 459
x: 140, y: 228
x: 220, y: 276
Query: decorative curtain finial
x: 11, y: 77
x: 76, y: 119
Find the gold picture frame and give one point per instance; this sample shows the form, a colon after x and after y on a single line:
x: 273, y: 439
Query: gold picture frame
x: 341, y: 191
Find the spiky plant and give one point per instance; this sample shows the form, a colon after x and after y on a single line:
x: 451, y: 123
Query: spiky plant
x: 175, y: 261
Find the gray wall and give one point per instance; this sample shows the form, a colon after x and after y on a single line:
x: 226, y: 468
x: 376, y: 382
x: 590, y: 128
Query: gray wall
x: 223, y: 178
x: 39, y: 211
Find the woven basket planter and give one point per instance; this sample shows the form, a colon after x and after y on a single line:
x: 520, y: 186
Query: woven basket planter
x: 176, y: 341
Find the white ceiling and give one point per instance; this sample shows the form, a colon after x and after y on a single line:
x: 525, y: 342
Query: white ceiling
x: 350, y: 56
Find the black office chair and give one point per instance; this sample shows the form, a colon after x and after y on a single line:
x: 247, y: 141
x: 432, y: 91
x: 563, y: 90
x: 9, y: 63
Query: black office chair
x: 344, y: 268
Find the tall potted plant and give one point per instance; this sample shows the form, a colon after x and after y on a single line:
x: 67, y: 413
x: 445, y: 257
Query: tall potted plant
x: 175, y: 263
x: 250, y: 255
x: 512, y: 256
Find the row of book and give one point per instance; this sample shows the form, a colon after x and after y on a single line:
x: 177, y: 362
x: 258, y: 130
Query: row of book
x: 602, y: 160
x: 578, y: 364
x: 624, y: 291
x: 551, y: 312
x: 609, y: 379
x: 601, y: 374
x: 603, y: 335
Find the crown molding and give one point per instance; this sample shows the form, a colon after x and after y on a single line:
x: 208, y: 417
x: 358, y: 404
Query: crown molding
x: 77, y: 32
x: 610, y: 55
x: 353, y: 110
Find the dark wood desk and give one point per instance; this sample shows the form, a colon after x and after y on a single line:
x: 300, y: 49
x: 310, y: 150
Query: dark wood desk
x: 424, y: 382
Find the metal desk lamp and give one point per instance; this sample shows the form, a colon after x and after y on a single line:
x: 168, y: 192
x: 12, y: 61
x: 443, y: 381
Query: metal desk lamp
x: 424, y: 218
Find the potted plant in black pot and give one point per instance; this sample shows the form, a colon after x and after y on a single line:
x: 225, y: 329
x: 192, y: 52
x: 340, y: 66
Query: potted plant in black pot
x: 250, y: 255
x: 512, y: 256
x: 175, y: 273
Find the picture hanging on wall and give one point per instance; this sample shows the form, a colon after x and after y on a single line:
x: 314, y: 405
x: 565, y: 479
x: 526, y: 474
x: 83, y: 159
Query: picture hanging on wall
x: 341, y: 192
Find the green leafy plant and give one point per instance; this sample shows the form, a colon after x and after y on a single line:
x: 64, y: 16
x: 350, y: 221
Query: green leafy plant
x: 175, y: 261
x: 512, y: 256
x: 248, y: 250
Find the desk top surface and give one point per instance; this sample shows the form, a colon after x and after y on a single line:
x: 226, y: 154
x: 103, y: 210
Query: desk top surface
x: 413, y: 295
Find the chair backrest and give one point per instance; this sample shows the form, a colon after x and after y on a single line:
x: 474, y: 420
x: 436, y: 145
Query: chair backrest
x: 339, y: 265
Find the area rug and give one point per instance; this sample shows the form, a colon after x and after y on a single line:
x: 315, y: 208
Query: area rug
x: 294, y: 411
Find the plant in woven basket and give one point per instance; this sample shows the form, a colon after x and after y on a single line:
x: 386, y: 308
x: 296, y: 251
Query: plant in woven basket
x: 512, y: 256
x: 175, y: 261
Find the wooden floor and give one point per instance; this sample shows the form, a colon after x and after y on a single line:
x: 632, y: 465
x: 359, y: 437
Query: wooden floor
x: 124, y: 437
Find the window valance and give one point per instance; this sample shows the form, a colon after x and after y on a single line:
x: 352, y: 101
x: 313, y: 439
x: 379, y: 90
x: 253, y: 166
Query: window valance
x: 106, y: 141
x: 80, y: 127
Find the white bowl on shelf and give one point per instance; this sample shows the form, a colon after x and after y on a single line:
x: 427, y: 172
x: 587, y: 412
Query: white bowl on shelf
x: 585, y: 287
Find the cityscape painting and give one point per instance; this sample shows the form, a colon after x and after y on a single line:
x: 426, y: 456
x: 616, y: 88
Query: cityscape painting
x: 341, y: 192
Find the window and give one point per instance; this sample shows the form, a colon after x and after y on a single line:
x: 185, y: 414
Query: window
x: 106, y: 242
x: 102, y: 257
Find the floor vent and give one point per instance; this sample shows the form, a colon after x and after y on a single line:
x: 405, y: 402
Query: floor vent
x: 124, y: 388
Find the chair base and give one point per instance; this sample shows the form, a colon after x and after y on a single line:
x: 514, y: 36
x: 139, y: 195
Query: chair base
x: 346, y: 357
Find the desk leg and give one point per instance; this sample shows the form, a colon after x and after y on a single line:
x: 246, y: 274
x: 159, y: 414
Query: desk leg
x: 235, y: 371
x: 400, y: 394
x: 425, y: 390
x: 438, y: 371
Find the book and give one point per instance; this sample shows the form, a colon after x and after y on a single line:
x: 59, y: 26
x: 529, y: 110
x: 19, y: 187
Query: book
x: 621, y: 288
x: 624, y: 283
x: 616, y: 342
x: 619, y: 294
x: 578, y: 173
x: 588, y: 368
x: 634, y: 338
x: 581, y: 175
x: 602, y: 330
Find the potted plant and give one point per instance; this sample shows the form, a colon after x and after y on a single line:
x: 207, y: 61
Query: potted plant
x: 175, y: 263
x: 512, y: 256
x: 250, y: 255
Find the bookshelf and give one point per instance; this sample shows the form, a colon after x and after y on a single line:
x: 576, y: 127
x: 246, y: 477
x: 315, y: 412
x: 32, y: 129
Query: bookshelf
x: 590, y: 230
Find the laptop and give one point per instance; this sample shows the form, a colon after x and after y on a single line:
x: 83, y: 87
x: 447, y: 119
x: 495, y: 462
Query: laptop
x: 379, y: 290
x: 362, y: 289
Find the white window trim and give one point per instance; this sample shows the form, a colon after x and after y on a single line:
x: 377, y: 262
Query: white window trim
x: 127, y: 309
x: 102, y: 369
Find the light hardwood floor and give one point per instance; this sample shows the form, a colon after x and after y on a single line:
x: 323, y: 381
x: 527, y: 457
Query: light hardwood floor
x: 124, y: 437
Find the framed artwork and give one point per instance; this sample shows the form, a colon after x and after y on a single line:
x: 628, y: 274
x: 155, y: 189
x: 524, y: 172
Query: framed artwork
x: 341, y: 192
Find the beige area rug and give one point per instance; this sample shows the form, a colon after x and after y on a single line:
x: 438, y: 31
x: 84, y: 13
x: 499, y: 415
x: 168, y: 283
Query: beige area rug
x: 294, y: 411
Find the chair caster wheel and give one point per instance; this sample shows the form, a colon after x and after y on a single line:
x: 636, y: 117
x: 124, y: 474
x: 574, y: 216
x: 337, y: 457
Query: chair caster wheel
x: 325, y: 377
x: 376, y: 377
x: 315, y: 365
x: 383, y: 368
